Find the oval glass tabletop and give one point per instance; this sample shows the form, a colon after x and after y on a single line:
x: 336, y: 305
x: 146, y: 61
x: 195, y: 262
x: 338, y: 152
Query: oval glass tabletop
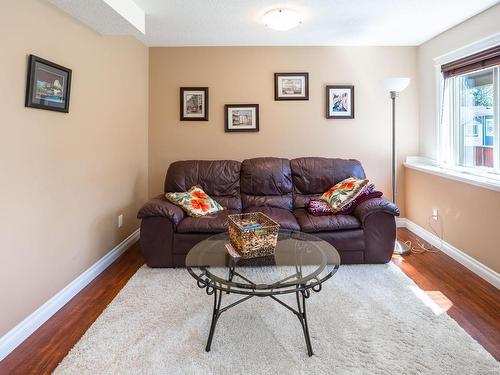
x: 301, y: 261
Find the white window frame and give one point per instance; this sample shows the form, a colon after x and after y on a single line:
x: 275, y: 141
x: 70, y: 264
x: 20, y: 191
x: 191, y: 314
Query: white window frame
x: 446, y: 148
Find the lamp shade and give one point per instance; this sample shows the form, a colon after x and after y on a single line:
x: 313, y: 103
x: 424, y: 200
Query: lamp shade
x: 397, y: 84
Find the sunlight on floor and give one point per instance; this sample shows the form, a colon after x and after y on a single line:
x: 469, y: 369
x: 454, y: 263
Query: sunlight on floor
x: 434, y: 299
x: 397, y: 259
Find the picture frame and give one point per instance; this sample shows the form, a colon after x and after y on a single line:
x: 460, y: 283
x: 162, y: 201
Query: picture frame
x: 194, y: 103
x: 48, y: 85
x: 291, y: 86
x: 340, y: 102
x: 241, y: 118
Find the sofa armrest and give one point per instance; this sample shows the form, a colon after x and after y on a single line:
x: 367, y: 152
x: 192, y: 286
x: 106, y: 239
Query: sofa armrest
x: 159, y: 206
x: 375, y: 205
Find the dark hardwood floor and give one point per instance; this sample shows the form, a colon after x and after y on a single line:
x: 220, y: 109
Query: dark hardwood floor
x: 47, y: 346
x: 472, y: 302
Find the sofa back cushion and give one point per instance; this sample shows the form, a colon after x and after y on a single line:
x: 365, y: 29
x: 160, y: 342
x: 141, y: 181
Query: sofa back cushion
x: 312, y: 176
x: 266, y: 182
x: 218, y: 178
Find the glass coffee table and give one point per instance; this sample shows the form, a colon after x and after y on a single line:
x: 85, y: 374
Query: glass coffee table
x: 301, y: 264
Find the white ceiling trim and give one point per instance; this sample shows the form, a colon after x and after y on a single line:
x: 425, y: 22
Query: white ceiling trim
x: 107, y: 17
x: 131, y: 12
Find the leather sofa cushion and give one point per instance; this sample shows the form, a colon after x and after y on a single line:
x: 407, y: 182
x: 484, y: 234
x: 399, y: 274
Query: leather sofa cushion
x: 218, y: 178
x: 311, y: 224
x: 266, y: 176
x: 283, y: 217
x: 279, y: 201
x: 215, y: 223
x: 314, y: 175
x: 302, y: 200
x: 266, y: 182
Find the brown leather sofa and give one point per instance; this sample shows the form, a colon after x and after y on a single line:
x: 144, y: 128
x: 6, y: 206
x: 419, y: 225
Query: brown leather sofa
x: 280, y: 188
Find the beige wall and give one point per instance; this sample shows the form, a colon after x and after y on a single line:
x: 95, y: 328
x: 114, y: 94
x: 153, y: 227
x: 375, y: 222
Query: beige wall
x: 469, y: 214
x: 66, y: 177
x: 287, y: 129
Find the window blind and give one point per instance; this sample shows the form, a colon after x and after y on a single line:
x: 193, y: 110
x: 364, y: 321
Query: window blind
x: 484, y: 59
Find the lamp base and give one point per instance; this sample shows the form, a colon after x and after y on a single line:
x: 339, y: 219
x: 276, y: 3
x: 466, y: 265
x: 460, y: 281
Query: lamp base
x: 400, y: 248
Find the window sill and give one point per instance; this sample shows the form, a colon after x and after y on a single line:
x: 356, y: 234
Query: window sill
x: 481, y: 181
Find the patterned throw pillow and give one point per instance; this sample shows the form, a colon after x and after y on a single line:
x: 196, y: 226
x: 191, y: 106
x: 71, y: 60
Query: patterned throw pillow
x: 343, y: 193
x: 349, y: 208
x: 195, y: 202
x: 321, y: 208
x: 365, y: 191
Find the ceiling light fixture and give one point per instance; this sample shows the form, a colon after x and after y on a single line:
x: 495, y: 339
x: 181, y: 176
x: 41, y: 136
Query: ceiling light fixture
x: 282, y: 19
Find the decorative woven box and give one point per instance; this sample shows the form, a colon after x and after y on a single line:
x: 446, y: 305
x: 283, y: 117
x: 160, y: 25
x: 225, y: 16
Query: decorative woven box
x: 253, y: 234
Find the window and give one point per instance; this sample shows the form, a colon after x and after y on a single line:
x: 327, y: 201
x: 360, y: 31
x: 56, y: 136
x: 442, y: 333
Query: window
x: 470, y: 136
x: 474, y: 96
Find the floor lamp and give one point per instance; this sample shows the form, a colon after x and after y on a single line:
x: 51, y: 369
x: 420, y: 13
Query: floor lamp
x: 395, y: 86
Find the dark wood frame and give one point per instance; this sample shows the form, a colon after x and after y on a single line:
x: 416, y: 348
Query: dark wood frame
x: 30, y: 82
x: 182, y: 117
x: 276, y: 77
x: 327, y: 114
x: 226, y: 119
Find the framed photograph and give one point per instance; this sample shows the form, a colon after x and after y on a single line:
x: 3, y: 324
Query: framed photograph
x: 340, y: 101
x: 48, y: 85
x: 194, y: 103
x: 291, y: 86
x: 241, y: 117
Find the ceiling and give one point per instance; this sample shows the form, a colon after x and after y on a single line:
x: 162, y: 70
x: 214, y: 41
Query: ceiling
x: 325, y: 22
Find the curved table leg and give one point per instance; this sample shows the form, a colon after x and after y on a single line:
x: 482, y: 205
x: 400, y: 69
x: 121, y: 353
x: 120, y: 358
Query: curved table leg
x: 231, y: 275
x: 302, y: 315
x: 215, y: 316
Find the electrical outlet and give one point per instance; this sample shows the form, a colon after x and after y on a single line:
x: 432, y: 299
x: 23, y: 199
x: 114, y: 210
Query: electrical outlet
x: 120, y: 220
x: 435, y: 214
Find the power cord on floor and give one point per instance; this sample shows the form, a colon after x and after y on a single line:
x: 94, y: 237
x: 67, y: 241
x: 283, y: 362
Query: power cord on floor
x: 420, y: 247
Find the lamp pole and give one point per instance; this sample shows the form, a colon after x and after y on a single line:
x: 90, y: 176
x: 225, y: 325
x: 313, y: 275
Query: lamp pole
x: 400, y: 248
x: 394, y: 95
x: 395, y: 85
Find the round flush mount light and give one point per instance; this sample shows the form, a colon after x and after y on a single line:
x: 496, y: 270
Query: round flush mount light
x: 282, y: 19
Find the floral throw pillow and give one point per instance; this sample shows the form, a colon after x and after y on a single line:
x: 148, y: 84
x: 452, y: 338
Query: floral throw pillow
x: 343, y: 193
x: 195, y: 202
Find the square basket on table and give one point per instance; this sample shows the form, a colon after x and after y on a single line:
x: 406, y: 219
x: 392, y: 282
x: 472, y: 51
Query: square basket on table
x: 253, y: 234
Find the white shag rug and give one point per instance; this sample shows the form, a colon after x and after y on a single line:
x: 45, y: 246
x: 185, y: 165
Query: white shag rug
x: 368, y: 319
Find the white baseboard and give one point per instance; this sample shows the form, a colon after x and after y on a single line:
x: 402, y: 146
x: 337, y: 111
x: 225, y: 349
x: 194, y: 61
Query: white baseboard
x: 24, y: 329
x: 466, y: 260
x: 400, y: 222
